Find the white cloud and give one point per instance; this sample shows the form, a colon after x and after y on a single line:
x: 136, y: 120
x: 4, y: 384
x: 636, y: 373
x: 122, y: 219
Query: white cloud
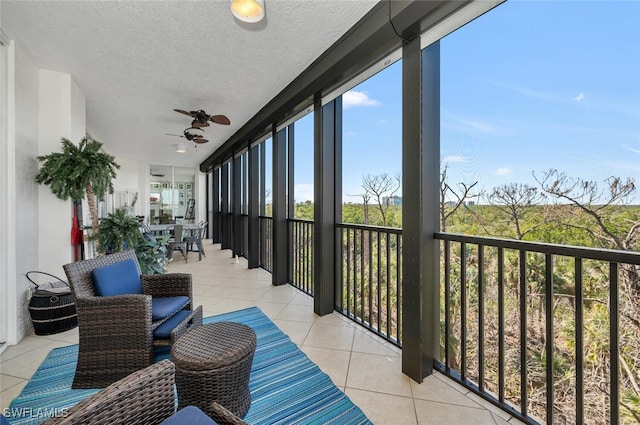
x: 303, y: 192
x: 454, y: 159
x: 503, y: 171
x: 350, y: 133
x: 532, y: 93
x: 358, y: 98
x: 541, y: 94
x: 475, y: 126
x: 623, y: 165
x: 629, y: 148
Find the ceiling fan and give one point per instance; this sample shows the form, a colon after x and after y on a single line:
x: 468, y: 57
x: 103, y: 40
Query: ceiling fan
x: 194, y: 134
x: 201, y: 118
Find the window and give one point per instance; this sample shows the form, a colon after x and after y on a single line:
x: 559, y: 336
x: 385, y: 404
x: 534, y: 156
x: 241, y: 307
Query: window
x: 372, y: 150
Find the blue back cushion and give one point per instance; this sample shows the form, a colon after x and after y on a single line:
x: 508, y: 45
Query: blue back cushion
x: 189, y: 415
x: 117, y: 279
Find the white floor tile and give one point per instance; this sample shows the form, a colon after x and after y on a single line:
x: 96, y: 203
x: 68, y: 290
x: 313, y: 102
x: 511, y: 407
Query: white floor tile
x: 333, y: 337
x: 381, y: 374
x: 384, y: 408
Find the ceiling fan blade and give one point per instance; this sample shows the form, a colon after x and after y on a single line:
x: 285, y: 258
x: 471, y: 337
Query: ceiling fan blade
x: 177, y: 135
x: 220, y: 119
x: 200, y: 140
x: 183, y: 112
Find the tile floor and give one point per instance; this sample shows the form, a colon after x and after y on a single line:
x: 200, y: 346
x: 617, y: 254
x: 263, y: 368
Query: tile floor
x: 365, y: 367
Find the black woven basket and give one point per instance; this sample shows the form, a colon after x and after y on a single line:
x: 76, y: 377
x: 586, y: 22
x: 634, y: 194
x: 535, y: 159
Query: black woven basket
x: 53, y: 309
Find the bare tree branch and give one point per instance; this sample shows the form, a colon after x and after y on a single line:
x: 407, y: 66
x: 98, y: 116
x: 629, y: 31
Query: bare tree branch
x: 592, y: 200
x: 515, y: 200
x: 366, y: 197
x: 461, y: 196
x: 381, y: 187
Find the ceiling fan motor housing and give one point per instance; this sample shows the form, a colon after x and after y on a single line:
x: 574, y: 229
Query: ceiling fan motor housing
x: 197, y: 124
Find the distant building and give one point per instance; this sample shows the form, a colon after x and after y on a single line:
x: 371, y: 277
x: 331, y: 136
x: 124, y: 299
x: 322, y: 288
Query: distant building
x: 392, y: 200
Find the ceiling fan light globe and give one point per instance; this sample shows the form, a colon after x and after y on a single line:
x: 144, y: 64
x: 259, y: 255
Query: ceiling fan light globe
x: 250, y: 11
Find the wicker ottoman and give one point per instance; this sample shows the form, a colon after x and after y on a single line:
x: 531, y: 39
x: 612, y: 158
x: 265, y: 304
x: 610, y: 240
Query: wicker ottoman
x: 213, y: 363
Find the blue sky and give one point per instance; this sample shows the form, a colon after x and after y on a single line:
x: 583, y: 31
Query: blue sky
x: 529, y: 86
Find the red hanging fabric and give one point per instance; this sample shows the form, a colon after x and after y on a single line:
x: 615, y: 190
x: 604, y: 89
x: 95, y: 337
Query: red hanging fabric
x: 76, y: 234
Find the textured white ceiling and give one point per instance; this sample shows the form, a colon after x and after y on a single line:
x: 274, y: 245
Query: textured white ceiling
x: 135, y: 61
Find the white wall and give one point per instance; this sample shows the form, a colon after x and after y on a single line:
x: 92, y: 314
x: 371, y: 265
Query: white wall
x: 144, y: 183
x: 127, y: 174
x: 21, y: 221
x: 35, y: 225
x: 7, y: 193
x: 128, y: 178
x: 78, y: 113
x: 27, y: 202
x: 55, y: 102
x: 201, y: 196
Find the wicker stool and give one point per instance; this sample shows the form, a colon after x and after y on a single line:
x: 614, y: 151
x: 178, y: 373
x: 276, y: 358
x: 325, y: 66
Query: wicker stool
x: 213, y: 363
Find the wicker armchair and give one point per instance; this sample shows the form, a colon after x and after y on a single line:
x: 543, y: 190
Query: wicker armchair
x: 145, y: 397
x: 117, y: 332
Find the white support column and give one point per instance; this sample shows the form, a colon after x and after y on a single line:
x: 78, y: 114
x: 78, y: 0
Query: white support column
x: 8, y: 293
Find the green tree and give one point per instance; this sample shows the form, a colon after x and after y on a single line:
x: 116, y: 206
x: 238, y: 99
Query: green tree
x: 304, y: 210
x: 78, y: 171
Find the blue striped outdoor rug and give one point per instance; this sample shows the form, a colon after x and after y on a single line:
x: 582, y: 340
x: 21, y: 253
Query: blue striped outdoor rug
x: 286, y: 387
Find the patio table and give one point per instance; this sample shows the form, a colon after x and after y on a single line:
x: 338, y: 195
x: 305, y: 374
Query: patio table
x: 213, y: 363
x: 162, y: 228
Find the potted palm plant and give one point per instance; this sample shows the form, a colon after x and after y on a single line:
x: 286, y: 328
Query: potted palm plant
x: 119, y: 231
x: 79, y: 171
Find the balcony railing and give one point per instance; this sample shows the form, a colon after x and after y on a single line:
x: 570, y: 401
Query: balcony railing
x: 244, y: 230
x: 369, y: 278
x: 266, y: 243
x: 508, y: 303
x: 301, y: 254
x: 566, y: 313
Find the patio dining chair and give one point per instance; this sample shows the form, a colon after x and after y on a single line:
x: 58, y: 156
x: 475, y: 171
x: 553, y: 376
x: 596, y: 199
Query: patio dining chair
x: 196, y: 239
x: 177, y: 241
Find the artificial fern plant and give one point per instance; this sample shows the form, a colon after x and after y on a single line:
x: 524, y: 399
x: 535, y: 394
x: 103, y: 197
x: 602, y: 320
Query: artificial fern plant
x: 119, y: 231
x: 79, y: 170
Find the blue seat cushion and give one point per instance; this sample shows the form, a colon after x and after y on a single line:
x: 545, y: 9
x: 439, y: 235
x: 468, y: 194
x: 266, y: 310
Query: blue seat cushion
x: 165, y: 307
x: 189, y: 415
x: 164, y: 330
x: 117, y: 279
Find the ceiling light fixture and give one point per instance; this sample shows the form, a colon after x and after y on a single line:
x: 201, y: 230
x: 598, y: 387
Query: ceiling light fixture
x: 248, y: 10
x: 180, y: 149
x: 194, y: 131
